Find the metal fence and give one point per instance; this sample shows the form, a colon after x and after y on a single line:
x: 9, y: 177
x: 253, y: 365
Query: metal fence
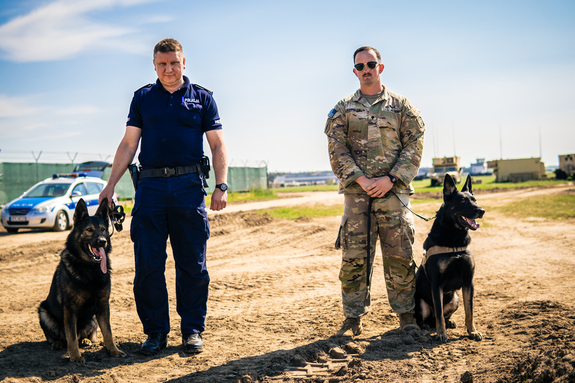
x: 17, y: 177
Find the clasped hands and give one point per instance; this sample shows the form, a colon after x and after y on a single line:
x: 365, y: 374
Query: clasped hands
x: 375, y: 187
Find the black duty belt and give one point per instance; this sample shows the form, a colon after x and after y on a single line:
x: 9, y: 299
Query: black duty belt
x: 168, y: 172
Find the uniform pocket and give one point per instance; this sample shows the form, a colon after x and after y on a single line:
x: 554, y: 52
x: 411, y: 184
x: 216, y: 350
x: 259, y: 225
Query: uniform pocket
x: 192, y: 116
x: 202, y: 212
x: 133, y: 223
x: 341, y: 241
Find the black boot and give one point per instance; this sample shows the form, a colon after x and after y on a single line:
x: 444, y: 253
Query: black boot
x: 154, y: 344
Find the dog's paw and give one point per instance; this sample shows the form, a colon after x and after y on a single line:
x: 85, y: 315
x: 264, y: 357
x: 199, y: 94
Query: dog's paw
x: 77, y: 359
x: 476, y: 335
x: 117, y: 353
x: 450, y: 324
x: 441, y: 336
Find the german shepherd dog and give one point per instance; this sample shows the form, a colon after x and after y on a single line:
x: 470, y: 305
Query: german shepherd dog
x: 448, y: 264
x: 78, y: 301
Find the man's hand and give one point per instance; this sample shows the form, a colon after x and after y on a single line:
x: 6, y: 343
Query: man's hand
x: 380, y: 187
x: 375, y: 187
x: 219, y: 200
x: 107, y: 192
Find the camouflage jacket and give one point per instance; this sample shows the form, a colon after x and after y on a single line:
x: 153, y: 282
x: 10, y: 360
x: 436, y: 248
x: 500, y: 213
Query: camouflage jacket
x: 374, y: 140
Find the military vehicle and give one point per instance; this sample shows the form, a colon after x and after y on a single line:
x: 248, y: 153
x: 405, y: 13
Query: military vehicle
x: 443, y: 166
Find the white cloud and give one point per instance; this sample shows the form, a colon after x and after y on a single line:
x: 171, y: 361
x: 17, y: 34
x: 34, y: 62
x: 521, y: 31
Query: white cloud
x: 16, y: 106
x: 51, y: 137
x: 77, y: 109
x: 60, y: 30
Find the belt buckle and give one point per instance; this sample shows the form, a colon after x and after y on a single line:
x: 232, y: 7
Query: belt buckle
x: 169, y: 172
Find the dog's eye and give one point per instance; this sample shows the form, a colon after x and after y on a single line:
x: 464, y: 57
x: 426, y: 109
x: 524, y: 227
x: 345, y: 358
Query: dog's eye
x: 90, y: 229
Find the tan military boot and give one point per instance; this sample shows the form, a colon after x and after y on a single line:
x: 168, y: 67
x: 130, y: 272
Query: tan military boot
x: 353, y: 324
x: 407, y: 322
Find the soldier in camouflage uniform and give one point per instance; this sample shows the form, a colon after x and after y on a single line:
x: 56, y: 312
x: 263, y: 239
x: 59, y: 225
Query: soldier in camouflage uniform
x: 375, y: 146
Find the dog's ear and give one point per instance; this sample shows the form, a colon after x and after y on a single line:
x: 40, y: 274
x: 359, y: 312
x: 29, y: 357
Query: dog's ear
x: 467, y: 187
x: 103, y: 210
x: 81, y: 211
x: 449, y: 187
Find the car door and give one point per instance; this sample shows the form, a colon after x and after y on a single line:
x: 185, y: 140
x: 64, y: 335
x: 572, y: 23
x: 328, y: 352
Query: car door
x: 81, y: 191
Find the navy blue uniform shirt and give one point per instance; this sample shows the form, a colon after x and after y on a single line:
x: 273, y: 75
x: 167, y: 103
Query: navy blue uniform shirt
x: 172, y: 124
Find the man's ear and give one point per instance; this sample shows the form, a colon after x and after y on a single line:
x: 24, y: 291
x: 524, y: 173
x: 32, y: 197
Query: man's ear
x: 381, y: 66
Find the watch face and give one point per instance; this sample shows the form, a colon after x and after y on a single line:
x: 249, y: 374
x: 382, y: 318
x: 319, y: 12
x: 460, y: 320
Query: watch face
x: 222, y: 187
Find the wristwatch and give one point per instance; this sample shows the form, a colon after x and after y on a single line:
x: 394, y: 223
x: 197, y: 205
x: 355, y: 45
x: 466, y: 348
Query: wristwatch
x: 392, y: 178
x: 222, y: 187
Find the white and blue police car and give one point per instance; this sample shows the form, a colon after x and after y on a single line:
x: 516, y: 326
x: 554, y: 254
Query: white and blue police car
x: 51, y: 203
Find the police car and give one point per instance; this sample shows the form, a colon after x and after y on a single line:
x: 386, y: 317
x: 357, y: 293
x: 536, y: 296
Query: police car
x: 51, y: 203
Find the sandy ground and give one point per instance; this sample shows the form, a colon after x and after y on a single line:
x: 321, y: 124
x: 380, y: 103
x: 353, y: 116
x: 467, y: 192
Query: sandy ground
x: 275, y: 303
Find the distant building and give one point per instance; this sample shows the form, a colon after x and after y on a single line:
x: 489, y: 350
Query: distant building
x: 567, y: 163
x: 518, y: 170
x: 303, y: 179
x: 479, y: 167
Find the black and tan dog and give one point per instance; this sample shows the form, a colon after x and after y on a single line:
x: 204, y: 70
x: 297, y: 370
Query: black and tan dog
x: 79, y: 296
x: 448, y: 263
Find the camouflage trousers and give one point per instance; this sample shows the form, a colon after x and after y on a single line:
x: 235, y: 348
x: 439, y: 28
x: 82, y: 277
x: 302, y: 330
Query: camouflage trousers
x: 393, y: 224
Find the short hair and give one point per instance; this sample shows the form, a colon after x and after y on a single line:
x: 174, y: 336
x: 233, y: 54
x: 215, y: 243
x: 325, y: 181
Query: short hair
x: 367, y: 48
x: 168, y: 45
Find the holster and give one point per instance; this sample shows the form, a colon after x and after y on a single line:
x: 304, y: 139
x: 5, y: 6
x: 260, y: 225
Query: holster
x: 134, y: 170
x: 204, y: 170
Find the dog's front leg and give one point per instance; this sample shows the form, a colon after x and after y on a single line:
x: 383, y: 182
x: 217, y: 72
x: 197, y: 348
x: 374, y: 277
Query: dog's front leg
x: 437, y: 294
x: 103, y: 318
x: 70, y: 327
x: 468, y: 306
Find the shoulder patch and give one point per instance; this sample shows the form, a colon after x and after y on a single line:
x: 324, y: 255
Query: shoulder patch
x: 201, y: 87
x: 145, y: 86
x: 332, y: 113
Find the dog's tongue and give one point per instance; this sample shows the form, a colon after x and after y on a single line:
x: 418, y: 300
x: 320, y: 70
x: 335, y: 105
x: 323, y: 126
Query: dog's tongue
x: 103, y: 264
x: 473, y: 223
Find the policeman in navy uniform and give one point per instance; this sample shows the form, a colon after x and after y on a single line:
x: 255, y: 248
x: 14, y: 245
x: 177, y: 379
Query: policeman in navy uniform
x: 168, y: 119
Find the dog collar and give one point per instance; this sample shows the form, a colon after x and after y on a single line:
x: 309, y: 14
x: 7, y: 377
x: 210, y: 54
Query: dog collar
x: 438, y: 250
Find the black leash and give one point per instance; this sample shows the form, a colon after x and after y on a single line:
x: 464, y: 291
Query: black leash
x: 405, y: 206
x: 368, y: 268
x: 117, y: 217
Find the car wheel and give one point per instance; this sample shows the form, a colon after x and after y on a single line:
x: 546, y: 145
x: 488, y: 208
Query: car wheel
x: 61, y: 222
x: 11, y: 230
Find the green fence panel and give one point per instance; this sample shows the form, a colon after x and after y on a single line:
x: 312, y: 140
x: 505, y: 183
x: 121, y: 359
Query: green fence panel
x: 124, y: 188
x: 17, y: 177
x: 242, y: 179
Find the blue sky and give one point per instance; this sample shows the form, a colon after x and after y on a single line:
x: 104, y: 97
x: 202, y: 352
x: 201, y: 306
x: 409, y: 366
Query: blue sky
x: 492, y: 79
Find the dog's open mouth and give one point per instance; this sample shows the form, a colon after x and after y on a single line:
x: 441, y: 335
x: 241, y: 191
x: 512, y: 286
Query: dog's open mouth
x: 469, y: 223
x: 99, y: 255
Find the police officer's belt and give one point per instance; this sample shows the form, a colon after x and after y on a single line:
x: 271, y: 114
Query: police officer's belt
x: 168, y: 172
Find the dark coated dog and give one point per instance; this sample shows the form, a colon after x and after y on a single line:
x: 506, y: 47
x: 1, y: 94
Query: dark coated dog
x: 448, y: 263
x: 78, y: 301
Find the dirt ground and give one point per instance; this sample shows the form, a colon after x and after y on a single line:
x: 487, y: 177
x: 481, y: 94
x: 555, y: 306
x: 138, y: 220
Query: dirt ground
x: 275, y: 303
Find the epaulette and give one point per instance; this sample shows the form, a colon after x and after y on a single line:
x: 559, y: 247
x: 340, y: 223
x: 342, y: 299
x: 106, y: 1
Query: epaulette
x: 145, y: 86
x: 201, y: 87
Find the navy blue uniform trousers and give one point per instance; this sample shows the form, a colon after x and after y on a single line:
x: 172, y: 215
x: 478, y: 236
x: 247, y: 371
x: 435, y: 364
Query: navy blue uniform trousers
x: 170, y: 207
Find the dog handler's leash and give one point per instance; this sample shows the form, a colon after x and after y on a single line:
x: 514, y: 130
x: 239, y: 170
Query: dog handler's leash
x: 368, y: 268
x: 117, y: 217
x: 407, y: 207
x: 368, y: 265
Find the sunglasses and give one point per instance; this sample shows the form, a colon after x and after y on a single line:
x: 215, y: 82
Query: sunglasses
x: 370, y: 65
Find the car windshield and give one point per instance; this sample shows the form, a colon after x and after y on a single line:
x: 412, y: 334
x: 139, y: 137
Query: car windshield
x: 48, y: 190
